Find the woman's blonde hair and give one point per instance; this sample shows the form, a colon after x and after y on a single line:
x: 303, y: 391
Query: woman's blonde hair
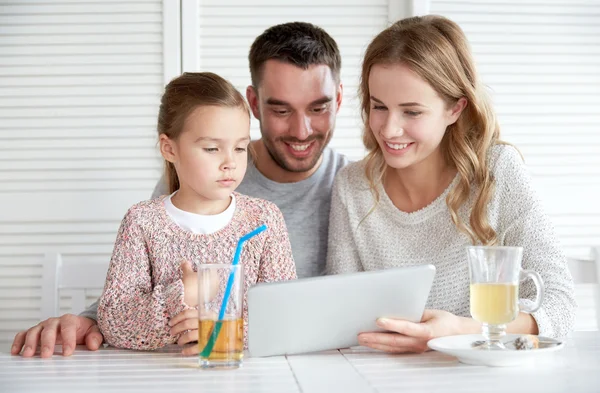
x: 436, y: 49
x: 184, y: 94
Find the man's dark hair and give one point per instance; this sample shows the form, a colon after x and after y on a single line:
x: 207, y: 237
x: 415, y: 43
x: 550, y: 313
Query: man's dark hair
x: 298, y: 43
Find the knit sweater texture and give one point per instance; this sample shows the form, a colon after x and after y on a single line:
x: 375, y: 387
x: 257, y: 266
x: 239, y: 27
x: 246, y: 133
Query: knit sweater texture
x: 361, y: 240
x: 144, y: 290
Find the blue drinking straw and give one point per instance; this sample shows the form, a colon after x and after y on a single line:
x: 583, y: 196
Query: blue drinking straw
x: 236, y: 259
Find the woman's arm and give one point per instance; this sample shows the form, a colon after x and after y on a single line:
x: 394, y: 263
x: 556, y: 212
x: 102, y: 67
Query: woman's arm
x: 342, y: 256
x: 526, y: 225
x: 542, y: 253
x: 132, y: 313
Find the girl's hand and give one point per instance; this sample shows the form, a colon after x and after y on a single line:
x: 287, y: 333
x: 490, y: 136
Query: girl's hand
x: 209, y: 285
x: 185, y: 324
x: 190, y: 284
x: 405, y: 336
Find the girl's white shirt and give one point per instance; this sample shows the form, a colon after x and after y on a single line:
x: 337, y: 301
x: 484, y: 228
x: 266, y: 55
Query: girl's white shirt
x: 199, y: 223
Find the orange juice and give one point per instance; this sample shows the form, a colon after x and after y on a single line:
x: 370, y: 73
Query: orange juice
x: 230, y: 343
x: 494, y: 303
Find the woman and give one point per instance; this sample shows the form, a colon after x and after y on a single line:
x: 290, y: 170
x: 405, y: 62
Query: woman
x: 436, y: 179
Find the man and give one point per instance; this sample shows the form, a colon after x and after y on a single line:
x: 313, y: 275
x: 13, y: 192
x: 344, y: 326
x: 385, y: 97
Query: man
x: 295, y: 94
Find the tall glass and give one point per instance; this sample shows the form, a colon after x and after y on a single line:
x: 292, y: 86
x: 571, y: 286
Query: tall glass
x: 495, y: 273
x: 225, y: 348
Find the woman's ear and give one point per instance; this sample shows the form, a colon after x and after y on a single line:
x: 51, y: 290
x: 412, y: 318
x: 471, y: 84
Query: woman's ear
x: 168, y: 149
x: 456, y: 110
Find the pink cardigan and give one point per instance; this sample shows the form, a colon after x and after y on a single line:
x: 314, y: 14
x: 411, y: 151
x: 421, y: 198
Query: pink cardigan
x: 143, y: 289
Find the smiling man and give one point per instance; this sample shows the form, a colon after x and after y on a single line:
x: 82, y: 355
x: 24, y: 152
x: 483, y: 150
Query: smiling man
x: 297, y: 109
x: 295, y: 94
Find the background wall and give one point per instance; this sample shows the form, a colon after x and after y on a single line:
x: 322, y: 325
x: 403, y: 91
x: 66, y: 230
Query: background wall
x: 79, y: 87
x: 541, y: 62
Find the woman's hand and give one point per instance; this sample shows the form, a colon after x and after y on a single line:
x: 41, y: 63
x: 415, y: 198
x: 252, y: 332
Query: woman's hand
x: 405, y: 336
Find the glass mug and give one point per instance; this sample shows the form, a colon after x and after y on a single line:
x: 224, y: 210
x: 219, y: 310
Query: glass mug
x: 495, y: 273
x: 220, y: 340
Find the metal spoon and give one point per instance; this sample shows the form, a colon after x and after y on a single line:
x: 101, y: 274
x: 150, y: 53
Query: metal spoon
x: 544, y: 342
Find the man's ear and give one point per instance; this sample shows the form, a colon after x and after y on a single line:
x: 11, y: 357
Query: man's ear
x: 339, y: 98
x: 167, y: 148
x: 456, y: 110
x: 252, y: 97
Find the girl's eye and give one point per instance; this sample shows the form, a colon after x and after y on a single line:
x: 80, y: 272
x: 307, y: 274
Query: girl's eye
x: 240, y: 149
x: 210, y: 149
x: 412, y: 113
x: 378, y: 107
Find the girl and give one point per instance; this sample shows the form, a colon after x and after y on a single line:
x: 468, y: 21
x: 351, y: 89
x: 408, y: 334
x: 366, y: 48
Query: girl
x: 204, y: 132
x: 436, y: 179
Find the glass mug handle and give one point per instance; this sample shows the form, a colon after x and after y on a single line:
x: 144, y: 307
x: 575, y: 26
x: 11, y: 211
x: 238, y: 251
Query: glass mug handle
x: 539, y: 285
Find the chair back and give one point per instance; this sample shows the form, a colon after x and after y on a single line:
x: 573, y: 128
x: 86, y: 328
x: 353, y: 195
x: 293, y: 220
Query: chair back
x: 586, y: 275
x: 72, y: 277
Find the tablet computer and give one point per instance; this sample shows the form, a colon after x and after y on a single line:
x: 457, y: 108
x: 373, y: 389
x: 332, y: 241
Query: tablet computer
x: 328, y: 312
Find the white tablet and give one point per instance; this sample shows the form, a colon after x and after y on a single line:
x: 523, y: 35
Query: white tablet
x: 328, y: 312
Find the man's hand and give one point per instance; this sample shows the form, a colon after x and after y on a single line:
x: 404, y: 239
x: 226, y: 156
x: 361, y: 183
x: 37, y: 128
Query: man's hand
x: 68, y: 330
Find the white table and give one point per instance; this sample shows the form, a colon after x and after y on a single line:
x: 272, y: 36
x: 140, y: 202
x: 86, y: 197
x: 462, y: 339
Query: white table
x: 575, y: 369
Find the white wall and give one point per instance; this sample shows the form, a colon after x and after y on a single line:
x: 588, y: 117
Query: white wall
x: 80, y: 84
x: 541, y: 61
x: 219, y: 34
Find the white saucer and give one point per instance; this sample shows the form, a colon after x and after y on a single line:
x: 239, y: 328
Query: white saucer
x: 460, y: 346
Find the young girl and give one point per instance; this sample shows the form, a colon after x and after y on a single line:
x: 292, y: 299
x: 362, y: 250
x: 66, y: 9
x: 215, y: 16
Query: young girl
x: 436, y: 179
x: 204, y: 132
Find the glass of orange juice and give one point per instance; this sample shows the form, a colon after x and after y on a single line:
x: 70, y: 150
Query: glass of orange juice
x: 220, y: 338
x: 495, y: 274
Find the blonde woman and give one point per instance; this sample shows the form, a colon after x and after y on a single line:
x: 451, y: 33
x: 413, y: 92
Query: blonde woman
x: 436, y: 179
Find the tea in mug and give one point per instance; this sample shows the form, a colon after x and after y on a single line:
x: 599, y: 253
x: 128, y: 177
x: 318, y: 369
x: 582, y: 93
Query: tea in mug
x: 230, y: 343
x: 494, y: 303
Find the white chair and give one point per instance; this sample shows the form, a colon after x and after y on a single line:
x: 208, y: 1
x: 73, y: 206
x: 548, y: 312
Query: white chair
x: 586, y: 275
x: 75, y: 278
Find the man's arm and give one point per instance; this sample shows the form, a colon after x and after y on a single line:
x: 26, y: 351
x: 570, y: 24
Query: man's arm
x: 91, y: 312
x: 68, y: 330
x: 161, y: 188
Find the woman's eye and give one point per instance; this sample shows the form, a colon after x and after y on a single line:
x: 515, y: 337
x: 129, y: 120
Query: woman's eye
x: 379, y: 107
x: 210, y: 149
x: 240, y: 149
x: 413, y: 113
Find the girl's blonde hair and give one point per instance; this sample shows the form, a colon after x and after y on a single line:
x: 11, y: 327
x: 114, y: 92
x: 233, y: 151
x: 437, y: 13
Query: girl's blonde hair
x: 436, y: 49
x: 184, y: 94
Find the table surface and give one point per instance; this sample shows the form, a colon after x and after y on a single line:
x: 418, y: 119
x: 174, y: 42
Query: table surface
x: 574, y: 369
